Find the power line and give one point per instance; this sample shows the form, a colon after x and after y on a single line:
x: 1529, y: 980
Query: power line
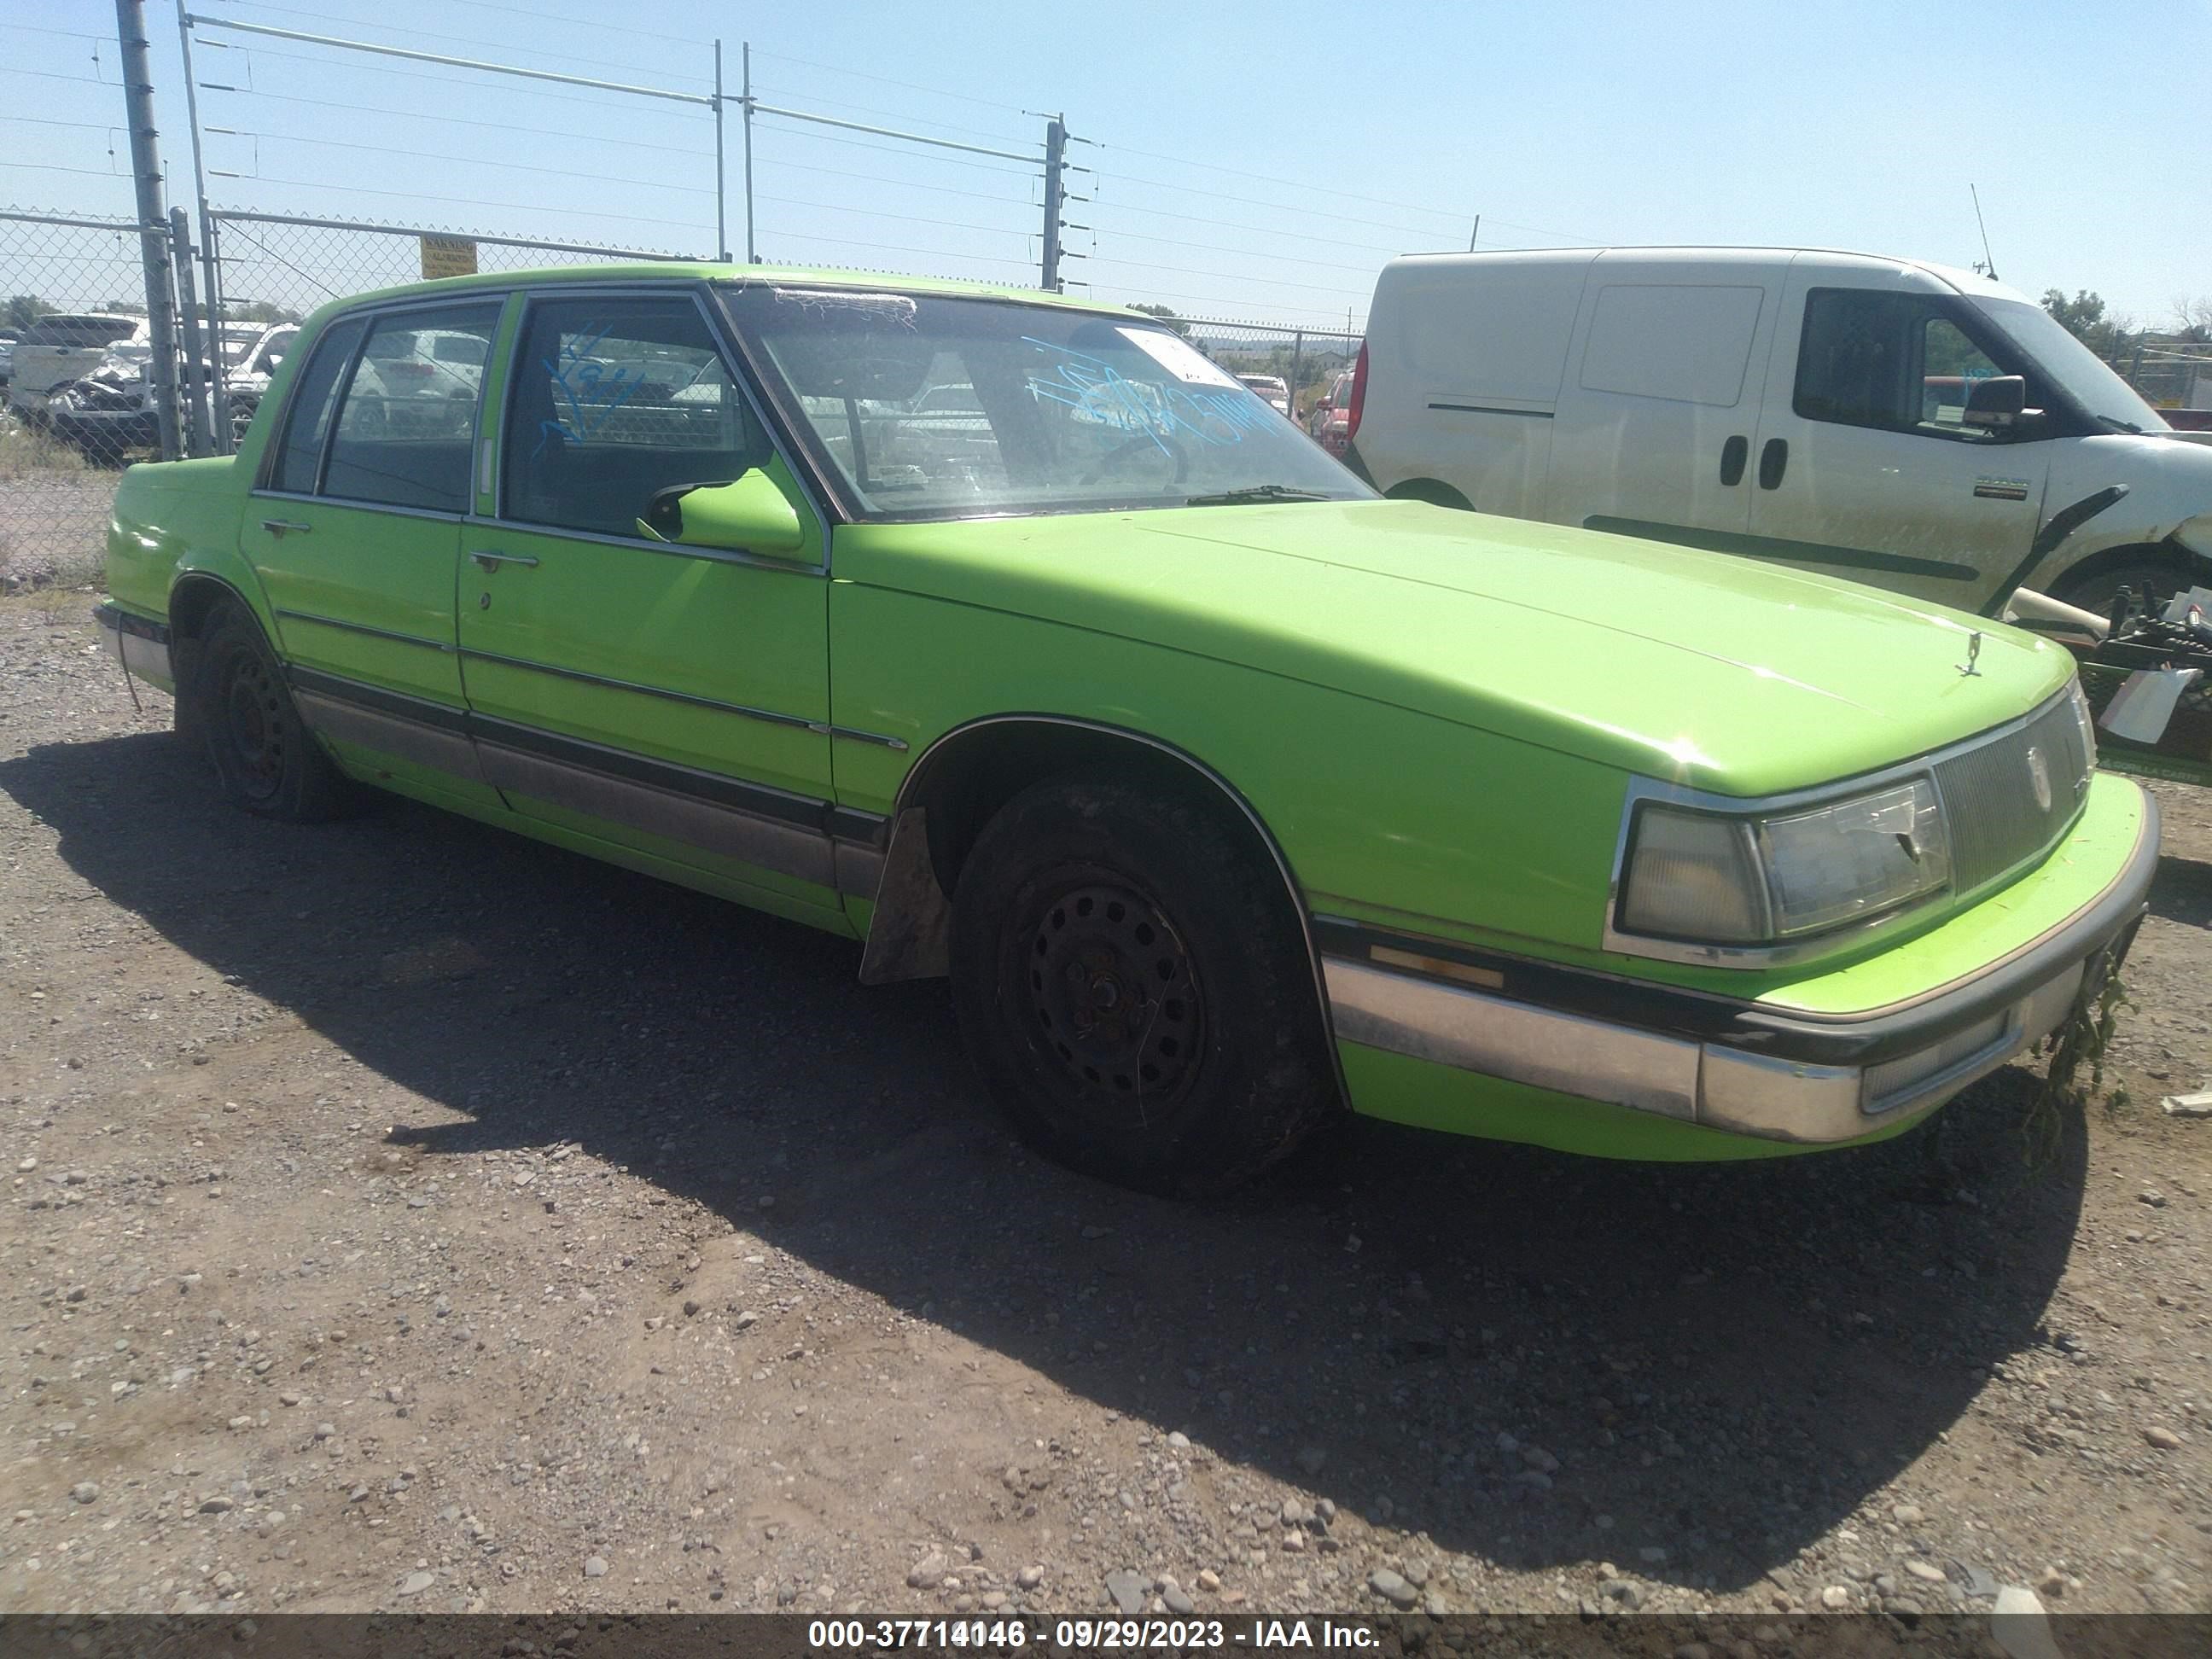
x: 888, y: 247
x: 475, y: 83
x: 902, y: 218
x: 93, y: 126
x: 456, y: 39
x: 1222, y: 276
x: 894, y: 149
x: 458, y: 161
x: 1273, y: 257
x: 796, y: 96
x: 906, y: 183
x: 538, y: 15
x: 1119, y: 206
x: 885, y: 80
x: 463, y: 121
x: 457, y: 201
x: 1258, y: 202
x: 55, y: 74
x: 65, y: 35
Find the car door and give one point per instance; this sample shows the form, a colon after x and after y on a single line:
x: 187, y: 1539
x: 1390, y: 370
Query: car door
x: 1657, y: 412
x: 354, y: 531
x: 1865, y: 465
x: 674, y: 699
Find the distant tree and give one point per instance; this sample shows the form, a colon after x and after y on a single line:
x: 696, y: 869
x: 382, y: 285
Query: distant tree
x: 2085, y: 318
x: 2193, y: 319
x: 1165, y: 315
x: 263, y: 311
x: 24, y: 309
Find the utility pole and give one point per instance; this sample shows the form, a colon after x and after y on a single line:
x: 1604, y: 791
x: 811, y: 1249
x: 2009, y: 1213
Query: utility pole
x: 195, y: 394
x: 1055, y: 162
x: 1474, y: 234
x: 153, y: 220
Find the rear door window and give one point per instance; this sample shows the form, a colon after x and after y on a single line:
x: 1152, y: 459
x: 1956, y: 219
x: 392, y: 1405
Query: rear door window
x: 406, y: 426
x: 308, y: 420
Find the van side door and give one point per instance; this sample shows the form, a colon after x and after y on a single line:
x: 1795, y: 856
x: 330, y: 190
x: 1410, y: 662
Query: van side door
x: 1660, y: 402
x: 1865, y: 465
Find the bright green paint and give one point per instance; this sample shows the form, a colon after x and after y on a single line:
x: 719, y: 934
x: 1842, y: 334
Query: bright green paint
x: 1435, y: 714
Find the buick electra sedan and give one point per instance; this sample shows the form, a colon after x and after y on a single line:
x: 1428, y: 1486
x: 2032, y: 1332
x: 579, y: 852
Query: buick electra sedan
x: 1011, y: 638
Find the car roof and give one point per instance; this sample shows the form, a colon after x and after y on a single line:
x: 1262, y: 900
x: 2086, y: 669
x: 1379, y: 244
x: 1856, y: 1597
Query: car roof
x: 681, y: 271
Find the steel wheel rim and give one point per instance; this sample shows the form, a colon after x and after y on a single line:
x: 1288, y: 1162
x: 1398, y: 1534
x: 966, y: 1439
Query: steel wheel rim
x: 1113, y: 1002
x: 252, y: 712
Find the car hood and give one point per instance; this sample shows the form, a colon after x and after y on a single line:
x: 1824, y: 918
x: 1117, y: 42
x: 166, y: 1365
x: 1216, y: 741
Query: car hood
x: 1721, y: 672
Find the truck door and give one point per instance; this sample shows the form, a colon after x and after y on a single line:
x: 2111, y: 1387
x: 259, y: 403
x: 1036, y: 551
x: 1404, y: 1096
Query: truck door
x: 1865, y: 467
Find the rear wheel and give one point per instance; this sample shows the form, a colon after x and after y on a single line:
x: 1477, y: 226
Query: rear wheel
x: 237, y: 703
x: 1134, y: 987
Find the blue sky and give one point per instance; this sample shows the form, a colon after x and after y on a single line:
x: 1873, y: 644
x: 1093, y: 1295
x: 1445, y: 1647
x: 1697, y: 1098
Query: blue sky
x: 1249, y: 160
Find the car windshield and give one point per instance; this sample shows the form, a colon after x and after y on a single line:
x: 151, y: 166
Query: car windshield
x: 1058, y: 409
x: 2066, y: 362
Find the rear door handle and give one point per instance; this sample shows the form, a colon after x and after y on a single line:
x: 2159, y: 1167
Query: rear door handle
x: 1773, y: 460
x: 493, y: 560
x: 1734, y: 453
x: 280, y: 528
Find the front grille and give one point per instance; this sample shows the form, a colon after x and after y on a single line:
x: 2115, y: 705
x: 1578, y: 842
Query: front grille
x: 1996, y: 820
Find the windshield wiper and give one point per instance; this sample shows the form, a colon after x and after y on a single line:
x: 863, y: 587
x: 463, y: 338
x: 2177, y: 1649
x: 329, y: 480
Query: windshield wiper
x: 1266, y: 492
x: 2117, y: 424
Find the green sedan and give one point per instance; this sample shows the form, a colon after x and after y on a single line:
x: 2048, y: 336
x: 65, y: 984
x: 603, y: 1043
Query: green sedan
x: 1011, y: 638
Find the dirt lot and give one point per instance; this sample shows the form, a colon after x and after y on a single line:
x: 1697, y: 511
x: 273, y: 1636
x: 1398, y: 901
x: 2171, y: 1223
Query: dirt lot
x: 405, y: 1215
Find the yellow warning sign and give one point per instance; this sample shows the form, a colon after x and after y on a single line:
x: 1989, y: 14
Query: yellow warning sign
x: 448, y: 256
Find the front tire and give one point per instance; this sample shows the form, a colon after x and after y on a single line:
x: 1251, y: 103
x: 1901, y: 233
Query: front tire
x: 1134, y: 987
x: 237, y: 703
x: 2154, y: 581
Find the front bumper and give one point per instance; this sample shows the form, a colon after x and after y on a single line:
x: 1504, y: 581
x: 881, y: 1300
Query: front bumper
x: 103, y: 429
x: 1741, y: 1068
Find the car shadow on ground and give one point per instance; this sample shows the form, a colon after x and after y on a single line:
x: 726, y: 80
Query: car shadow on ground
x: 1725, y: 1360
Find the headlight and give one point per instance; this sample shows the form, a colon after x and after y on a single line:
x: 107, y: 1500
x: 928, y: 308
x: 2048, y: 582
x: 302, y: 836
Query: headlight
x: 1749, y: 881
x: 2078, y: 700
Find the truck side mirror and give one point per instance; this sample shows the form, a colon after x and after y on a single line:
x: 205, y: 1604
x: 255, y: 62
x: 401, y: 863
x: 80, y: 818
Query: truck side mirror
x: 1996, y: 404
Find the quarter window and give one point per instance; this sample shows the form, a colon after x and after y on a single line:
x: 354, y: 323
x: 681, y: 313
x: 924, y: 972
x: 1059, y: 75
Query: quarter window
x: 613, y: 401
x: 407, y: 423
x: 314, y: 394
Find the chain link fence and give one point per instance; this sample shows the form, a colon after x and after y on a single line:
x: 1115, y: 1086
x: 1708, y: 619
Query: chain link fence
x: 1294, y: 369
x: 55, y: 269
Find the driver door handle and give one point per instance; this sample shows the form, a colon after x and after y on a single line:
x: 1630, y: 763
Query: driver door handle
x: 280, y: 528
x: 490, y: 561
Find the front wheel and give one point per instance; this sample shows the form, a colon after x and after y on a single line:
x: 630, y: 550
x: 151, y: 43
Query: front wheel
x: 2153, y: 582
x: 236, y: 702
x: 1133, y: 986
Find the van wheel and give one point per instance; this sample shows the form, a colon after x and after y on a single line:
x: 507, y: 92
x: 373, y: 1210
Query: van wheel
x: 1135, y: 990
x: 1429, y: 490
x: 266, y: 760
x: 2152, y: 580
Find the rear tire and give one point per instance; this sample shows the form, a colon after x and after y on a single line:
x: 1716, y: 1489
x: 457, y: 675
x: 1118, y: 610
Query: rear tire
x: 236, y: 702
x: 1134, y: 987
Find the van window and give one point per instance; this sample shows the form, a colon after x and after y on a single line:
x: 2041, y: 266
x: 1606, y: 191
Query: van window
x: 1898, y: 361
x: 1688, y: 343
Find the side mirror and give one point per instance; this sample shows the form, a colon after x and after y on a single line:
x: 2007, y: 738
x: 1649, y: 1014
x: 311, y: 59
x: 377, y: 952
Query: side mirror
x: 1995, y: 403
x: 748, y: 515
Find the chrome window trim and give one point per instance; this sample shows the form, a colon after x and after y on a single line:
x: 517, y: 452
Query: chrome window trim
x: 667, y: 549
x: 1647, y: 790
x: 431, y: 513
x: 734, y: 361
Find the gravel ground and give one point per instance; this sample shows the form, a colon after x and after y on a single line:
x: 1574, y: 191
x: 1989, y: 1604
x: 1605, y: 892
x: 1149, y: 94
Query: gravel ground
x: 406, y: 1216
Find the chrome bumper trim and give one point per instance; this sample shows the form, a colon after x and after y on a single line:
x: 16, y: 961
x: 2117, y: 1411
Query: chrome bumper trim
x: 142, y: 645
x: 1844, y: 1082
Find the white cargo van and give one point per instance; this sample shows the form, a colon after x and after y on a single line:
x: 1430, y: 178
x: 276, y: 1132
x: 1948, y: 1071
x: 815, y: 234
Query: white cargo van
x: 1921, y: 429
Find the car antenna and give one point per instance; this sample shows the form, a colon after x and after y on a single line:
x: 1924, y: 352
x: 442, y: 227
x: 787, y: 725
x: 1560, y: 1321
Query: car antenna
x: 1988, y: 263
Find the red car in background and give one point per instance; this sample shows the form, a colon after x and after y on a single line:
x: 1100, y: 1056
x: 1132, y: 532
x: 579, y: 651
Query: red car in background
x: 1329, y: 419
